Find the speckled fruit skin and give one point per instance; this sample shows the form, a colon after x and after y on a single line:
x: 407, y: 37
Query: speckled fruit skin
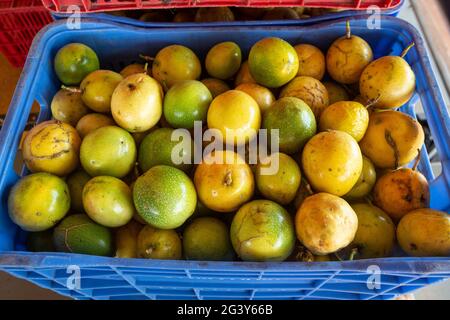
x: 262, y: 231
x: 311, y: 91
x: 76, y: 182
x: 186, y: 102
x: 157, y: 147
x: 38, y: 202
x: 93, y: 121
x: 68, y: 107
x: 97, y: 89
x: 153, y: 243
x: 108, y: 151
x: 53, y: 147
x: 294, y: 120
x: 311, y: 61
x: 375, y: 237
x: 273, y: 62
x: 79, y: 234
x: 332, y: 162
x: 325, y: 223
x: 207, y: 239
x: 164, y: 197
x: 108, y: 201
x: 347, y: 58
x: 425, y: 233
x: 75, y: 61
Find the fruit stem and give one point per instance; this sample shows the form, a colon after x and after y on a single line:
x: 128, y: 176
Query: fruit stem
x: 405, y: 52
x: 71, y: 89
x: 348, y: 33
x: 353, y: 253
x: 416, y: 164
x: 146, y: 58
x: 373, y: 102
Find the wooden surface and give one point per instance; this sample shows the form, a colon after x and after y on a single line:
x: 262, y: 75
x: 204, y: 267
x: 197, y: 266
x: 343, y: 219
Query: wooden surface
x: 8, y: 79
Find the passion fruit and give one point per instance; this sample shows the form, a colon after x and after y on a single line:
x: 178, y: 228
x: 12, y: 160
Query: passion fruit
x: 214, y: 14
x: 93, y: 121
x: 263, y: 96
x: 68, y: 107
x: 97, y: 89
x: 244, y: 75
x: 365, y: 182
x: 153, y: 243
x: 215, y: 86
x: 76, y: 182
x: 126, y: 239
x: 311, y: 61
x: 223, y: 60
x: 337, y: 93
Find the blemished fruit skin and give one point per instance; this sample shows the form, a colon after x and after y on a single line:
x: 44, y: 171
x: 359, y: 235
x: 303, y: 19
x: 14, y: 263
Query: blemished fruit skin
x: 244, y: 75
x: 52, y: 205
x: 365, y: 182
x: 136, y: 103
x: 311, y: 91
x: 223, y: 60
x: 347, y: 58
x: 295, y: 121
x: 186, y: 102
x: 74, y: 62
x: 97, y: 89
x: 175, y: 63
x: 68, y: 107
x: 157, y: 147
x: 52, y: 146
x: 400, y: 192
x: 224, y: 186
x: 79, y: 234
x: 108, y: 151
x: 375, y: 237
x: 273, y: 62
x: 108, y: 201
x: 425, y: 233
x: 280, y: 186
x: 207, y: 239
x: 311, y: 61
x: 332, y: 162
x: 325, y: 223
x: 263, y: 96
x: 388, y: 82
x: 126, y: 240
x: 392, y: 139
x: 215, y: 86
x: 164, y: 197
x: 76, y: 182
x: 153, y: 243
x: 93, y: 121
x: 262, y: 230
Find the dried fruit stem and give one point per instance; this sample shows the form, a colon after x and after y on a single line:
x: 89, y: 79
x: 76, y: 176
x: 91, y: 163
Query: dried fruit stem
x: 416, y: 164
x: 348, y: 33
x: 405, y: 52
x: 71, y: 89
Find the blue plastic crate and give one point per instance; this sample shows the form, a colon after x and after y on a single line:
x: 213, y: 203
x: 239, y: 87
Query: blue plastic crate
x: 303, y: 22
x: 109, y: 278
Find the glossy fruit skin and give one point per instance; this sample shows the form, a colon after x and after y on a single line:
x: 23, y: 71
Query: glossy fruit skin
x: 244, y: 75
x: 263, y: 96
x: 97, y: 89
x: 311, y: 61
x: 282, y: 185
x: 108, y: 151
x: 400, y: 192
x: 336, y: 92
x: 136, y: 104
x: 214, y: 14
x: 365, y: 182
x: 311, y: 91
x: 157, y: 147
x: 262, y: 231
x: 126, y: 240
x: 392, y: 139
x: 164, y: 197
x: 108, y: 201
x: 79, y: 234
x: 223, y: 60
x: 76, y: 182
x: 389, y: 82
x: 273, y: 62
x: 425, y: 233
x: 224, y: 186
x: 215, y: 86
x: 133, y: 69
x: 325, y: 224
x: 153, y: 243
x: 75, y: 61
x: 53, y: 147
x: 347, y: 116
x: 236, y: 115
x: 53, y: 202
x: 332, y: 162
x: 93, y: 121
x: 68, y: 107
x: 207, y: 239
x: 375, y: 237
x: 295, y: 121
x: 175, y: 63
x: 347, y: 58
x: 186, y: 102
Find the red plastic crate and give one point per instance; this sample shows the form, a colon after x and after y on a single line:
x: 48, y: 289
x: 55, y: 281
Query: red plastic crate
x: 110, y: 5
x: 20, y: 20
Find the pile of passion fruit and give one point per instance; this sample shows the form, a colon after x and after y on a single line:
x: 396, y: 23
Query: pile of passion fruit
x: 104, y: 180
